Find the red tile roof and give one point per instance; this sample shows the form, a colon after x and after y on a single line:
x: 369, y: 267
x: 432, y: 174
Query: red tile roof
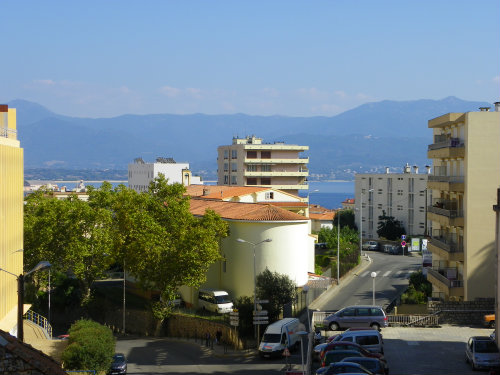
x: 221, y: 191
x: 288, y: 204
x: 243, y: 211
x: 323, y: 216
x: 26, y: 358
x: 349, y: 201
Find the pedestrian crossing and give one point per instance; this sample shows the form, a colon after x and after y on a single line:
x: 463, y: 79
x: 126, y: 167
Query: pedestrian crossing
x: 391, y: 273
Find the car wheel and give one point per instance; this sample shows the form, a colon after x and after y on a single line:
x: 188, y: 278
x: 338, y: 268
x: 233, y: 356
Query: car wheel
x: 334, y: 326
x: 375, y: 326
x: 474, y: 368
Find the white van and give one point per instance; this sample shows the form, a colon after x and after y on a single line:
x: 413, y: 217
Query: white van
x: 215, y: 300
x: 280, y: 335
x: 370, y: 339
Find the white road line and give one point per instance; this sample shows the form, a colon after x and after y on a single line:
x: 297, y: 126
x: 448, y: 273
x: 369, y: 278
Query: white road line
x: 386, y: 274
x: 365, y: 273
x: 398, y: 273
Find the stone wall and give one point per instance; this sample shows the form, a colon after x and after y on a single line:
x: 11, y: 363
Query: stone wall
x: 463, y: 313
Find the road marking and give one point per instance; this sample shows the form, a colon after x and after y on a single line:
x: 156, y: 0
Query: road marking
x: 398, y: 273
x: 387, y: 273
x: 365, y: 273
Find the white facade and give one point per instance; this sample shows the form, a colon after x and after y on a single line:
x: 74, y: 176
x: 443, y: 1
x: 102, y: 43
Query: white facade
x: 401, y: 195
x: 140, y: 174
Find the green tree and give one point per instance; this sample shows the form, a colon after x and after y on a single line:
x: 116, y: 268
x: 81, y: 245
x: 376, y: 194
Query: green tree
x: 389, y: 227
x: 346, y: 219
x: 279, y: 289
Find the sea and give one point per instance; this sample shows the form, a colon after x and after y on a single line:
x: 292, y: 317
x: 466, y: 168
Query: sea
x: 328, y: 194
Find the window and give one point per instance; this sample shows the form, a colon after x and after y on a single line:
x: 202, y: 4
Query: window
x: 234, y: 154
x: 400, y: 192
x: 234, y: 167
x: 265, y: 154
x: 251, y: 154
x: 265, y: 168
x: 421, y: 209
x: 379, y: 206
x: 251, y: 181
x: 270, y: 195
x: 265, y: 181
x: 380, y: 191
x: 233, y: 180
x: 363, y: 311
x: 226, y: 167
x: 400, y: 207
x: 226, y: 179
x: 251, y: 168
x: 226, y: 154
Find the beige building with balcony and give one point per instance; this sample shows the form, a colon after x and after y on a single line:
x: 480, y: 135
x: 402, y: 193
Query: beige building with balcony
x: 461, y: 223
x: 249, y: 162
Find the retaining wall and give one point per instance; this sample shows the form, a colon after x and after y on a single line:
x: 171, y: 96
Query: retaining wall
x: 462, y: 313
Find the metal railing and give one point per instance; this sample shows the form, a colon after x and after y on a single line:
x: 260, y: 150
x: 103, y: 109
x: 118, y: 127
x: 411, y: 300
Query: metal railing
x: 413, y: 320
x: 439, y: 274
x: 444, y: 178
x: 40, y: 321
x: 6, y: 132
x: 447, y: 244
x: 450, y: 142
x: 445, y: 212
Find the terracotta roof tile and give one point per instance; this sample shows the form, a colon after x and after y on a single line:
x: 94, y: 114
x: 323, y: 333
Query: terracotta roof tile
x: 323, y: 216
x: 221, y: 191
x: 243, y: 211
x: 288, y: 204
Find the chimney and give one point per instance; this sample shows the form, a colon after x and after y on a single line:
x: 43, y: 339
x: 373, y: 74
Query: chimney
x: 484, y: 109
x: 387, y: 170
x: 206, y: 191
x: 407, y: 168
x: 415, y: 168
x: 428, y: 168
x: 497, y: 106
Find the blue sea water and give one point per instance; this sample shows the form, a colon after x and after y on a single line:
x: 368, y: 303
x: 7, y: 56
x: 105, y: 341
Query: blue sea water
x: 329, y: 194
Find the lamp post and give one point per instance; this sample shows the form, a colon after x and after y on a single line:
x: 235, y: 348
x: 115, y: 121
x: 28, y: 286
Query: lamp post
x: 373, y: 275
x: 20, y: 295
x: 254, y: 245
x: 302, y: 334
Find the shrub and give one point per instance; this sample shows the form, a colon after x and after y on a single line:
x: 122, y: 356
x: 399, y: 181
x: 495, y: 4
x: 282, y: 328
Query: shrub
x: 91, y: 347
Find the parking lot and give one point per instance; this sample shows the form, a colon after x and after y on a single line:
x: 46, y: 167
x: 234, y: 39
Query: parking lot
x: 429, y: 351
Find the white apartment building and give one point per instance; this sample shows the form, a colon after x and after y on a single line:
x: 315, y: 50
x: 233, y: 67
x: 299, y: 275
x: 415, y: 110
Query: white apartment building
x: 249, y: 162
x: 140, y: 173
x: 401, y: 195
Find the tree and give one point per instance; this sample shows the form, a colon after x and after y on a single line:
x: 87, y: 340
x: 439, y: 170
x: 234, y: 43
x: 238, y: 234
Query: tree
x: 346, y: 219
x: 279, y: 289
x: 389, y: 227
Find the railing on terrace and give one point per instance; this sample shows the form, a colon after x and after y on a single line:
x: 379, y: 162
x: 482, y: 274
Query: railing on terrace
x: 40, y: 321
x: 450, y: 142
x: 6, y: 132
x: 448, y: 244
x: 444, y: 178
x: 440, y: 274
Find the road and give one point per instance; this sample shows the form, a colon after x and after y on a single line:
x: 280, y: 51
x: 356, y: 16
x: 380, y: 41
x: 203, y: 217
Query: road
x: 393, y: 272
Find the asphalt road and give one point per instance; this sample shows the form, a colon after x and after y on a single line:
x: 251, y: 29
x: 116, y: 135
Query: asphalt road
x: 393, y: 272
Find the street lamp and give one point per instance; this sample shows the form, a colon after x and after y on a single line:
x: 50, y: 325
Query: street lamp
x: 361, y: 221
x: 254, y: 245
x: 20, y: 295
x: 373, y: 275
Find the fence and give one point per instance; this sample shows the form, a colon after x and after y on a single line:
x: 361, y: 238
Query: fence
x: 40, y: 321
x: 413, y: 320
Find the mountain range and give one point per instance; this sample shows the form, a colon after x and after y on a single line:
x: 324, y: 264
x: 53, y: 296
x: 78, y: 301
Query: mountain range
x: 369, y: 137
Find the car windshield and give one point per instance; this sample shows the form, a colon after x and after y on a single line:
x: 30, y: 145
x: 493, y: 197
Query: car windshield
x: 486, y: 347
x: 118, y: 358
x: 271, y: 337
x: 223, y: 299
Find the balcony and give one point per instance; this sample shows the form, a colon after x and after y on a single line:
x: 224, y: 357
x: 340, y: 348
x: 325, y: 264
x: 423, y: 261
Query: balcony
x: 446, y: 281
x: 8, y: 133
x: 446, y: 183
x: 277, y: 174
x: 449, y: 148
x: 446, y: 213
x: 446, y: 248
x: 276, y: 161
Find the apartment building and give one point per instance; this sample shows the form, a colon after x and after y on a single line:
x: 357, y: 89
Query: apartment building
x: 140, y: 173
x: 11, y: 217
x: 249, y: 162
x: 466, y: 174
x: 401, y: 195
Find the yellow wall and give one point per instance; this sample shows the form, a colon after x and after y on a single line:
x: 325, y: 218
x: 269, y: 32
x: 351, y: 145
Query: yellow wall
x: 11, y: 220
x: 482, y: 163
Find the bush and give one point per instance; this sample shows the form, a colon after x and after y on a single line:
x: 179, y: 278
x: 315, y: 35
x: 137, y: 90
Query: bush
x: 91, y: 347
x: 418, y: 291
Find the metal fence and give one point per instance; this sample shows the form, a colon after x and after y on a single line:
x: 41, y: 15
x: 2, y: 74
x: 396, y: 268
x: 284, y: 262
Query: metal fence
x: 40, y: 321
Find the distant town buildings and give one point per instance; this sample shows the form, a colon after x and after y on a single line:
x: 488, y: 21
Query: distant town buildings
x: 348, y: 204
x: 401, y: 195
x: 321, y: 217
x: 11, y: 218
x: 465, y: 155
x: 249, y: 162
x: 140, y: 173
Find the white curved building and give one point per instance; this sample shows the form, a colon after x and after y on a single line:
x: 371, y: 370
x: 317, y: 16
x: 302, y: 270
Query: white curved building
x: 290, y: 252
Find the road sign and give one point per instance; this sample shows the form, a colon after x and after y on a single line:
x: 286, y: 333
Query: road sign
x: 286, y: 353
x: 403, y: 236
x: 403, y: 243
x: 235, y: 324
x: 260, y: 322
x: 262, y: 312
x: 234, y: 313
x: 262, y: 301
x: 260, y: 317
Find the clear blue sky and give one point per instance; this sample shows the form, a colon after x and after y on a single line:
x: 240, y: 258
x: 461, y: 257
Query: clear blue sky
x: 295, y: 58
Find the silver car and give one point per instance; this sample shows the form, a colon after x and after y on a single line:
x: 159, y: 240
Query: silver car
x: 355, y: 317
x: 482, y: 352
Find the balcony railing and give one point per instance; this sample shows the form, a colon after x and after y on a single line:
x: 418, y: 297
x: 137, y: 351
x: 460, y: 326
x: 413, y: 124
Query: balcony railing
x: 449, y: 142
x: 448, y: 208
x: 441, y: 275
x: 448, y: 244
x: 7, y: 133
x: 455, y: 179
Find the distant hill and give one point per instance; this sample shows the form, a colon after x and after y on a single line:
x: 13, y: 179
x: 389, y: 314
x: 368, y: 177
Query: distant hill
x: 373, y: 135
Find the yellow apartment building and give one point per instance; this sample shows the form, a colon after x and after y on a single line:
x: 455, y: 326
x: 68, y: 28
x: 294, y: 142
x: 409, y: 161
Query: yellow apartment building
x: 11, y: 217
x: 463, y: 186
x: 250, y: 162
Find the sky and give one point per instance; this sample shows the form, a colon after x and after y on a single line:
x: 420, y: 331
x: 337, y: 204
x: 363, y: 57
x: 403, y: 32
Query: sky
x: 292, y: 58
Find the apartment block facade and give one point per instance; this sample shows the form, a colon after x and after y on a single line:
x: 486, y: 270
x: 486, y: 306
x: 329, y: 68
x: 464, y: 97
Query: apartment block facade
x: 250, y: 162
x: 401, y: 195
x: 466, y: 174
x: 11, y: 217
x: 140, y: 173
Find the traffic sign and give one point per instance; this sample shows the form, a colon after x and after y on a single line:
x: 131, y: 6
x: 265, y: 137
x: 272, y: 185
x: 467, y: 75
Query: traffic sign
x: 262, y: 301
x: 260, y: 317
x: 403, y: 243
x: 234, y: 313
x: 260, y: 322
x: 235, y: 324
x: 262, y: 312
x: 286, y: 353
x: 403, y: 236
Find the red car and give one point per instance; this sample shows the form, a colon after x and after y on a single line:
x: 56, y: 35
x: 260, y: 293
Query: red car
x: 345, y: 345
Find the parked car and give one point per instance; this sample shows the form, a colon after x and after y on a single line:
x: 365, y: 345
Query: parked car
x: 369, y: 339
x: 119, y: 364
x: 333, y: 356
x: 343, y: 368
x: 482, y: 352
x: 370, y: 245
x: 489, y: 320
x: 321, y: 349
x: 356, y: 316
x: 375, y: 365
